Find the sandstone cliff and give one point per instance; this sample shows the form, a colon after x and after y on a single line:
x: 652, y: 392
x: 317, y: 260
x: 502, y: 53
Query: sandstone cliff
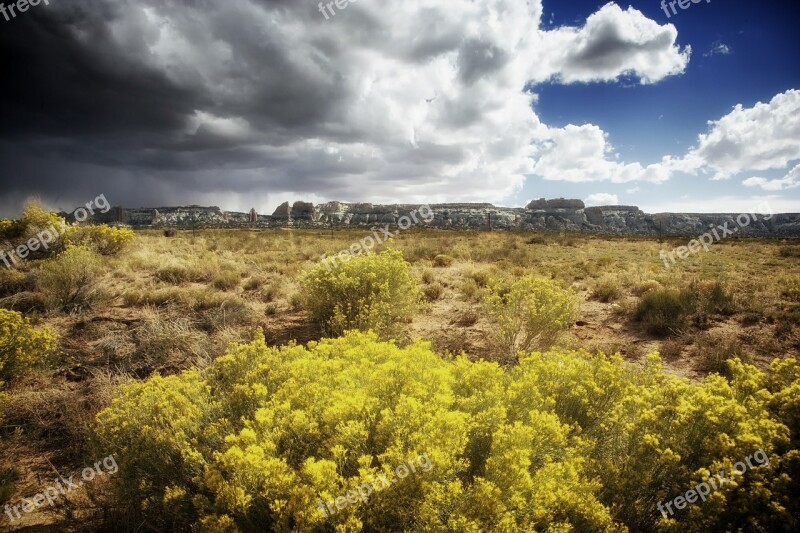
x: 539, y: 215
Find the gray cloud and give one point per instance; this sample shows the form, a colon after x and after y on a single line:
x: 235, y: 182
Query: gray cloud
x: 252, y: 101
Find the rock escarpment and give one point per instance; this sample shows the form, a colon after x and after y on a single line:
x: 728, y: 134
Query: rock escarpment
x: 539, y: 215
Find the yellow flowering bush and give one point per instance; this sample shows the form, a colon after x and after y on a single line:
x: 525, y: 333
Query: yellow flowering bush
x: 530, y: 313
x: 33, y: 221
x: 10, y: 229
x: 21, y: 345
x: 105, y: 240
x: 564, y: 441
x: 370, y: 292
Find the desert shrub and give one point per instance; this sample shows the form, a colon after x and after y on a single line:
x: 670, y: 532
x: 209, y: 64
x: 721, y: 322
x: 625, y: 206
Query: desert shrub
x: 469, y: 289
x: 7, y: 478
x: 33, y: 222
x: 69, y: 282
x: 254, y: 283
x: 269, y: 294
x: 564, y: 441
x: 442, y: 260
x: 11, y: 230
x: 481, y: 277
x: 369, y: 292
x: 158, y: 297
x: 667, y: 311
x: 789, y: 251
x: 13, y: 281
x: 178, y: 274
x: 468, y: 318
x: 226, y: 281
x: 296, y: 301
x: 231, y: 311
x: 530, y: 313
x: 428, y: 277
x: 163, y: 339
x: 790, y: 288
x: 21, y: 345
x: 433, y: 291
x: 661, y: 312
x: 707, y: 299
x: 175, y: 274
x: 646, y: 286
x: 671, y: 349
x: 103, y: 239
x: 606, y: 290
x: 716, y: 349
x: 538, y: 239
x: 24, y: 302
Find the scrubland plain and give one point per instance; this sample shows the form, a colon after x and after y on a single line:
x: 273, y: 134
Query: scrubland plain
x: 569, y: 425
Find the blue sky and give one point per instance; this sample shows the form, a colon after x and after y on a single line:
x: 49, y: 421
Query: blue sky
x: 250, y: 103
x: 743, y: 52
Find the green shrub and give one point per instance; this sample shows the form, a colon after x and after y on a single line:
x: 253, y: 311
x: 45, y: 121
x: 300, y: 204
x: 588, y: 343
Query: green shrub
x: 669, y: 311
x: 226, y: 281
x: 178, y: 274
x: 69, y: 282
x: 530, y: 313
x: 481, y: 277
x: 470, y: 289
x: 433, y: 292
x: 708, y: 299
x: 790, y: 288
x: 254, y: 283
x: 716, y: 349
x: 13, y: 281
x: 374, y: 292
x: 606, y: 290
x: 442, y: 260
x: 646, y: 286
x: 21, y: 345
x: 661, y: 312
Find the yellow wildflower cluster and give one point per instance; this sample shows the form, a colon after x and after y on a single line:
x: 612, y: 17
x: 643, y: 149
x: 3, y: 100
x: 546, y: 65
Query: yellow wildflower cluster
x: 564, y: 441
x: 369, y: 292
x: 21, y: 345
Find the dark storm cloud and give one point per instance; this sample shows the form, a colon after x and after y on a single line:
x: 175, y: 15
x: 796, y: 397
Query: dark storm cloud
x: 79, y: 85
x: 179, y: 101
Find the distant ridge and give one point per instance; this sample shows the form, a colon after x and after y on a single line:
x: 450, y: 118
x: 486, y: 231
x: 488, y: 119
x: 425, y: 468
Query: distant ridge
x: 539, y: 215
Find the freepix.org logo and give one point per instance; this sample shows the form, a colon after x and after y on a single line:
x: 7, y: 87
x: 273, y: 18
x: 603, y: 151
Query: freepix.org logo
x: 683, y: 4
x: 10, y: 11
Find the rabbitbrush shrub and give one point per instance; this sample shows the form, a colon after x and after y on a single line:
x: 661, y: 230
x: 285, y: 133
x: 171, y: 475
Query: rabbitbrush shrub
x: 371, y: 292
x: 530, y: 313
x: 31, y: 224
x: 69, y: 281
x: 564, y: 441
x: 21, y: 345
x: 105, y: 240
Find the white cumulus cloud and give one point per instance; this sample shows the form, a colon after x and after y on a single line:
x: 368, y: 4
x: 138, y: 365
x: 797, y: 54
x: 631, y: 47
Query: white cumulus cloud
x: 763, y: 137
x: 790, y: 181
x: 601, y: 198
